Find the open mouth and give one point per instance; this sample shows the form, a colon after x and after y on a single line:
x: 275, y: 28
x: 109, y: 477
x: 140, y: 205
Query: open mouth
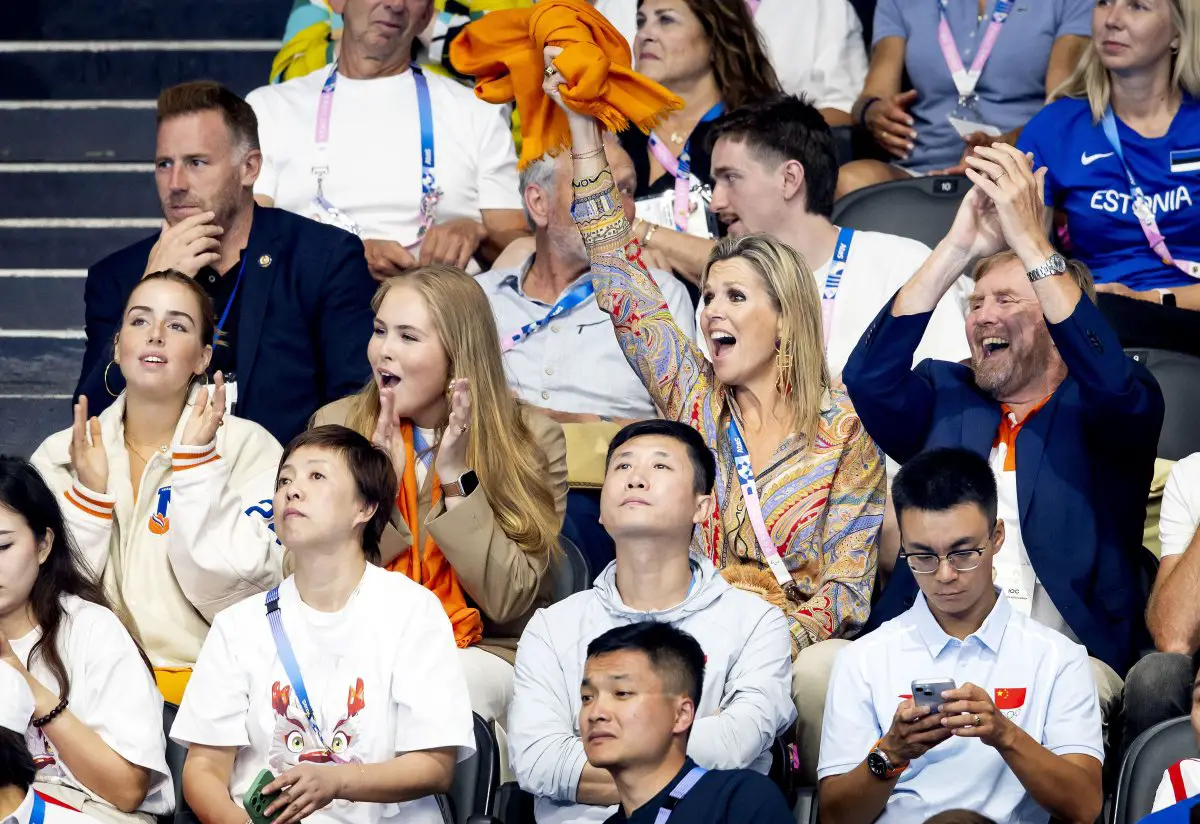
x: 722, y: 343
x: 991, y: 346
x: 318, y: 757
x: 154, y: 359
x: 387, y: 380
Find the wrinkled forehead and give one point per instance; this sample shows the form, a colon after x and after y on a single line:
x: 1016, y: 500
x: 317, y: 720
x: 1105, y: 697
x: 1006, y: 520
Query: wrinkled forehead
x: 1005, y: 278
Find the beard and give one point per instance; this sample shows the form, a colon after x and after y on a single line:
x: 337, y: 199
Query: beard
x: 224, y: 204
x: 1002, y: 374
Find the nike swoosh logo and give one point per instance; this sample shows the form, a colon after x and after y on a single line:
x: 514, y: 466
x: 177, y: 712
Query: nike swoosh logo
x: 1088, y: 160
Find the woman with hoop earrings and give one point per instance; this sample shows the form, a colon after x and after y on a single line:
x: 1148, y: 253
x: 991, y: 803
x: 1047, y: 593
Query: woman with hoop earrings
x: 163, y: 486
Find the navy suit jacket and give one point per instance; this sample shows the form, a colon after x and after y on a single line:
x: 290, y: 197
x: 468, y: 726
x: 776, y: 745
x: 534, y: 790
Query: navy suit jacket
x: 1084, y: 464
x: 303, y: 325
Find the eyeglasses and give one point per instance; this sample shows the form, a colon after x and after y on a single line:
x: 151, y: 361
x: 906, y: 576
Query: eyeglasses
x: 927, y: 563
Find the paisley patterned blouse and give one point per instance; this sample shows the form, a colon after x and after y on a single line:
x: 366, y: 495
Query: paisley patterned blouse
x: 822, y: 503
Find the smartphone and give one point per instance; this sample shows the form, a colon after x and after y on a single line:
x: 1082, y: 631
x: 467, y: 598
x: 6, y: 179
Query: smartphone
x: 255, y: 802
x: 927, y: 692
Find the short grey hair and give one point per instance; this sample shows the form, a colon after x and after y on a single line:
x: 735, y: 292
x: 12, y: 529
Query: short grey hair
x: 539, y: 173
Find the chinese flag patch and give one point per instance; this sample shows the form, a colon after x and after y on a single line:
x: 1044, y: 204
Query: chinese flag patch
x: 1009, y: 698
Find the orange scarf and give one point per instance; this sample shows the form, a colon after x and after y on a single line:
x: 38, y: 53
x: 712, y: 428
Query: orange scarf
x: 429, y: 567
x: 503, y: 52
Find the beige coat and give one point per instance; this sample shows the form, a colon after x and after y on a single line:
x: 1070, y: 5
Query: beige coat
x: 506, y: 583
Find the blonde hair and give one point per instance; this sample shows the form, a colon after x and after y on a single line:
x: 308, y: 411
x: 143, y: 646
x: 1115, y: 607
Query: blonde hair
x: 793, y: 290
x: 1090, y: 80
x: 501, y: 448
x: 1077, y: 271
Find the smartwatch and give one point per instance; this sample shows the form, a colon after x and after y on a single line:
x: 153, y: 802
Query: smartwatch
x: 1056, y: 265
x: 881, y: 765
x: 462, y: 487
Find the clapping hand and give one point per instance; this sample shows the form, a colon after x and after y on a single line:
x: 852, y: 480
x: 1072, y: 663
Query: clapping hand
x: 89, y: 460
x: 1006, y: 176
x: 388, y: 435
x: 207, y: 415
x: 451, y: 461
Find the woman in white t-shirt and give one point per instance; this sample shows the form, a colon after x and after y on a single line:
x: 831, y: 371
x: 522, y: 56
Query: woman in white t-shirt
x: 96, y: 733
x: 371, y: 704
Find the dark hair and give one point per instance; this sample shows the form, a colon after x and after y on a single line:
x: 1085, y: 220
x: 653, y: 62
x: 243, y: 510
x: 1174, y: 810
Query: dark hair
x: 16, y: 763
x: 959, y: 817
x: 674, y: 654
x: 208, y: 314
x: 372, y: 470
x: 742, y: 70
x: 64, y: 572
x: 782, y: 129
x: 941, y: 479
x: 704, y: 466
x: 205, y: 96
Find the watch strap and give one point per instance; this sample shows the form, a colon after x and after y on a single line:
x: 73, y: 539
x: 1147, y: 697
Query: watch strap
x: 1056, y: 264
x: 896, y: 768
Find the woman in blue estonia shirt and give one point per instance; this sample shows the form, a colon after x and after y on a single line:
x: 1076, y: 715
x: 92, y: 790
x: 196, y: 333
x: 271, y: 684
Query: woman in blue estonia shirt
x: 1144, y: 61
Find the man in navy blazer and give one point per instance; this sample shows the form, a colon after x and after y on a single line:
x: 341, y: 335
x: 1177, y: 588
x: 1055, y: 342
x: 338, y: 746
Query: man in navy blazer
x: 292, y: 296
x: 1083, y: 419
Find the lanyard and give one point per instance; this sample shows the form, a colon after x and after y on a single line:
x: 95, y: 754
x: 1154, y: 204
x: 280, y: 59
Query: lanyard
x: 567, y: 303
x: 745, y: 473
x: 421, y: 448
x: 833, y: 280
x: 286, y: 657
x: 38, y: 814
x: 1141, y: 204
x: 430, y: 193
x: 966, y: 81
x: 232, y: 295
x: 681, y: 168
x: 676, y: 795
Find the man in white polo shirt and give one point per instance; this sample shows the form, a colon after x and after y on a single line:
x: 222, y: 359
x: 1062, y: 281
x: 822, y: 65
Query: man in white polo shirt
x: 410, y: 161
x: 1017, y: 738
x: 18, y: 802
x: 559, y: 349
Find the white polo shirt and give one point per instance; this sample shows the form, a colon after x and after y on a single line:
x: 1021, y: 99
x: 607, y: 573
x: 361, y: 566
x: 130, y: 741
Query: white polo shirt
x: 1180, y: 506
x: 575, y: 364
x: 1038, y: 677
x: 54, y: 814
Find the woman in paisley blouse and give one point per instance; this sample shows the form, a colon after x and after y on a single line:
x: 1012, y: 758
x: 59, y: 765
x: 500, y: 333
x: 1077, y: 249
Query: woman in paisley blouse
x: 819, y: 476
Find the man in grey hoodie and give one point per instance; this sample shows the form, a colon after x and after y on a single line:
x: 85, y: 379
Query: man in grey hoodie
x: 657, y: 487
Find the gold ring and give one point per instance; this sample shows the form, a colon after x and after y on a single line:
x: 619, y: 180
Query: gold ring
x: 550, y: 70
x: 462, y: 429
x: 978, y: 721
x: 996, y: 179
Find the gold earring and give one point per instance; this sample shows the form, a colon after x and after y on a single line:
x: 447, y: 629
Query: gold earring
x: 783, y: 365
x: 106, y: 387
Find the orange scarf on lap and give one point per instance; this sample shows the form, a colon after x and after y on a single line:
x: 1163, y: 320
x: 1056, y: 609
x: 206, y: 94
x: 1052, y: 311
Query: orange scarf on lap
x: 428, y: 566
x: 503, y: 51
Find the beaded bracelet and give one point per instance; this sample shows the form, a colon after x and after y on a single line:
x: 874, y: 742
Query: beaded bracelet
x: 50, y: 716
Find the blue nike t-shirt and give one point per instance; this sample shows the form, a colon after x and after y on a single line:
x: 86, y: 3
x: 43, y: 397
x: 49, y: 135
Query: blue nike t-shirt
x: 1085, y: 179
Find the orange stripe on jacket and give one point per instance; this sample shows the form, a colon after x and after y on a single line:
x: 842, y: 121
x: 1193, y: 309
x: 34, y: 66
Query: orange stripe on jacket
x: 105, y: 514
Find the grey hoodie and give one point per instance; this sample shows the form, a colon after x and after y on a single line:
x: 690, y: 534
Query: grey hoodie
x: 747, y: 678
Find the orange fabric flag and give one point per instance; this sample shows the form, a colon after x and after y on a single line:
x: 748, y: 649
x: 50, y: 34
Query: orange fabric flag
x: 428, y: 566
x: 503, y: 52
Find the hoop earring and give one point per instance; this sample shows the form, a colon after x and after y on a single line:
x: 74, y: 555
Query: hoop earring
x: 783, y: 365
x: 106, y: 387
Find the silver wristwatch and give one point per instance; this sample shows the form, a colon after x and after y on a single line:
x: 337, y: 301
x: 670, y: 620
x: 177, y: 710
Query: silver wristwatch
x: 1056, y: 265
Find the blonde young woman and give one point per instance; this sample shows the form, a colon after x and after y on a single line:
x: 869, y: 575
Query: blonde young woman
x: 483, y: 477
x: 165, y: 493
x: 813, y: 477
x: 1125, y: 127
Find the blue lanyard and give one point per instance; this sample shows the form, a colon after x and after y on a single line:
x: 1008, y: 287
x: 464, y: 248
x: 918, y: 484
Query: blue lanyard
x: 421, y: 448
x: 745, y: 473
x: 232, y: 295
x: 286, y: 657
x: 685, y: 157
x: 681, y: 789
x: 1109, y: 124
x: 38, y: 814
x: 567, y: 303
x: 833, y: 280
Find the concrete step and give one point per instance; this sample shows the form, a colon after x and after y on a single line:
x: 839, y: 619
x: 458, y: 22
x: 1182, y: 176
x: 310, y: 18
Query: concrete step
x: 67, y: 244
x: 27, y: 421
x: 39, y: 364
x: 127, y: 71
x: 96, y: 19
x: 71, y: 189
x: 88, y: 132
x: 46, y: 300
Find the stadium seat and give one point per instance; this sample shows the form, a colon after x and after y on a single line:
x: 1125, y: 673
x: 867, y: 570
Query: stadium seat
x: 1179, y: 377
x: 921, y: 208
x: 513, y: 806
x: 569, y: 570
x: 805, y: 806
x: 476, y: 780
x: 176, y: 755
x: 1147, y: 758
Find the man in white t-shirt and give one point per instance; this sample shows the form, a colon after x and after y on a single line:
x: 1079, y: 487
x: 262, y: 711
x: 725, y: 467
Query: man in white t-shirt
x: 18, y: 802
x: 774, y: 171
x: 816, y: 48
x: 1159, y: 686
x: 1007, y: 724
x: 411, y: 161
x: 572, y: 365
x: 1182, y: 779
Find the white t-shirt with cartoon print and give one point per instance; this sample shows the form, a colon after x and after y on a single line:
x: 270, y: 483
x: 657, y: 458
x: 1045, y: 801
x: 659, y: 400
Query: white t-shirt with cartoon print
x: 112, y: 691
x: 382, y: 674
